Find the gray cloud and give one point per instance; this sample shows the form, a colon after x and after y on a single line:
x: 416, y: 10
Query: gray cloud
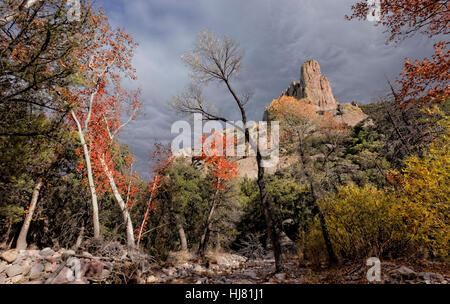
x: 277, y: 36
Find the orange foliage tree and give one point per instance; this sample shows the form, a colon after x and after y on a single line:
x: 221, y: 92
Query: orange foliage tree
x: 161, y: 159
x: 222, y: 169
x: 97, y: 104
x: 427, y: 80
x: 298, y: 118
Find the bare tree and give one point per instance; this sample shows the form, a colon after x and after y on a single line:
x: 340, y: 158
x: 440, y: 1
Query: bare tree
x: 220, y: 59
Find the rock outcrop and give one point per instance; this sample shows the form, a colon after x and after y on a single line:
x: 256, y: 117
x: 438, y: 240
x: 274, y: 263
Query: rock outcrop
x: 351, y: 114
x: 315, y: 89
x: 313, y: 86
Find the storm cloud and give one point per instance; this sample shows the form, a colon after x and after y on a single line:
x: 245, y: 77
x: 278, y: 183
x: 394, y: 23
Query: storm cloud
x: 277, y: 36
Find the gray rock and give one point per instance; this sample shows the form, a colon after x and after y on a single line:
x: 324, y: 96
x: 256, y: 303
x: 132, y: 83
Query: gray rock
x: 425, y: 275
x: 2, y: 267
x: 36, y: 270
x: 201, y: 281
x: 46, y: 252
x: 280, y: 276
x: 65, y: 276
x: 431, y: 276
x: 67, y: 254
x: 15, y: 270
x: 10, y: 255
x: 406, y: 272
x: 251, y: 274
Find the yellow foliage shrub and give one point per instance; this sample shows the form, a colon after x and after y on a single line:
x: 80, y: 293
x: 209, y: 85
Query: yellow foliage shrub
x: 424, y: 197
x: 366, y: 221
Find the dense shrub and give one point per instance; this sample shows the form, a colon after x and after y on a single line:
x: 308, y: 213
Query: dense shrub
x: 390, y: 222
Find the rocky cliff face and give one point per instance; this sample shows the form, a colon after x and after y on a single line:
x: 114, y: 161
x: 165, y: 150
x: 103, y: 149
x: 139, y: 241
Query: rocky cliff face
x: 313, y: 86
x: 315, y: 89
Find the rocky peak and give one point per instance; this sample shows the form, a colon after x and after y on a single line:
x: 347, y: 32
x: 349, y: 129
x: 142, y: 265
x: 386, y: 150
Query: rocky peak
x: 313, y: 86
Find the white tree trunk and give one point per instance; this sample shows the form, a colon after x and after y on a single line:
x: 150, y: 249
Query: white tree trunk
x: 122, y: 205
x: 22, y: 240
x: 183, y: 240
x: 90, y: 175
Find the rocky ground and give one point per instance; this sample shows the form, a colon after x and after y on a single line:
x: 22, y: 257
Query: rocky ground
x: 47, y: 266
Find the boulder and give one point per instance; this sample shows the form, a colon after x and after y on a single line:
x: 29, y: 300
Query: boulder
x: 15, y: 270
x: 67, y: 254
x: 10, y: 255
x: 65, y: 276
x: 3, y: 267
x: 406, y: 273
x: 46, y: 252
x: 351, y: 114
x: 201, y: 281
x: 251, y: 274
x: 36, y: 271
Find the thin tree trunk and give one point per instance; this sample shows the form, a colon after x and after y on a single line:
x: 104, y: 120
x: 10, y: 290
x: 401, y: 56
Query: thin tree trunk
x: 80, y: 237
x: 179, y: 225
x: 267, y: 212
x: 271, y: 231
x: 22, y: 239
x: 218, y: 246
x: 316, y: 210
x: 122, y: 205
x: 183, y: 240
x: 87, y: 158
x: 205, y: 236
x: 141, y: 229
x: 265, y: 208
x: 4, y: 244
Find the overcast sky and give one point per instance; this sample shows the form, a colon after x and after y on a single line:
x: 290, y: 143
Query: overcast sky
x: 277, y: 36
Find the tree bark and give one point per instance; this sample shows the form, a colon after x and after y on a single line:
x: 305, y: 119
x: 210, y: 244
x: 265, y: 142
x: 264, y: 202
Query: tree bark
x: 22, y: 239
x: 218, y: 246
x: 183, y: 240
x: 267, y: 212
x: 87, y: 158
x: 179, y: 225
x: 80, y: 237
x: 4, y: 243
x: 271, y: 231
x: 122, y: 205
x: 205, y: 236
x: 141, y: 229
